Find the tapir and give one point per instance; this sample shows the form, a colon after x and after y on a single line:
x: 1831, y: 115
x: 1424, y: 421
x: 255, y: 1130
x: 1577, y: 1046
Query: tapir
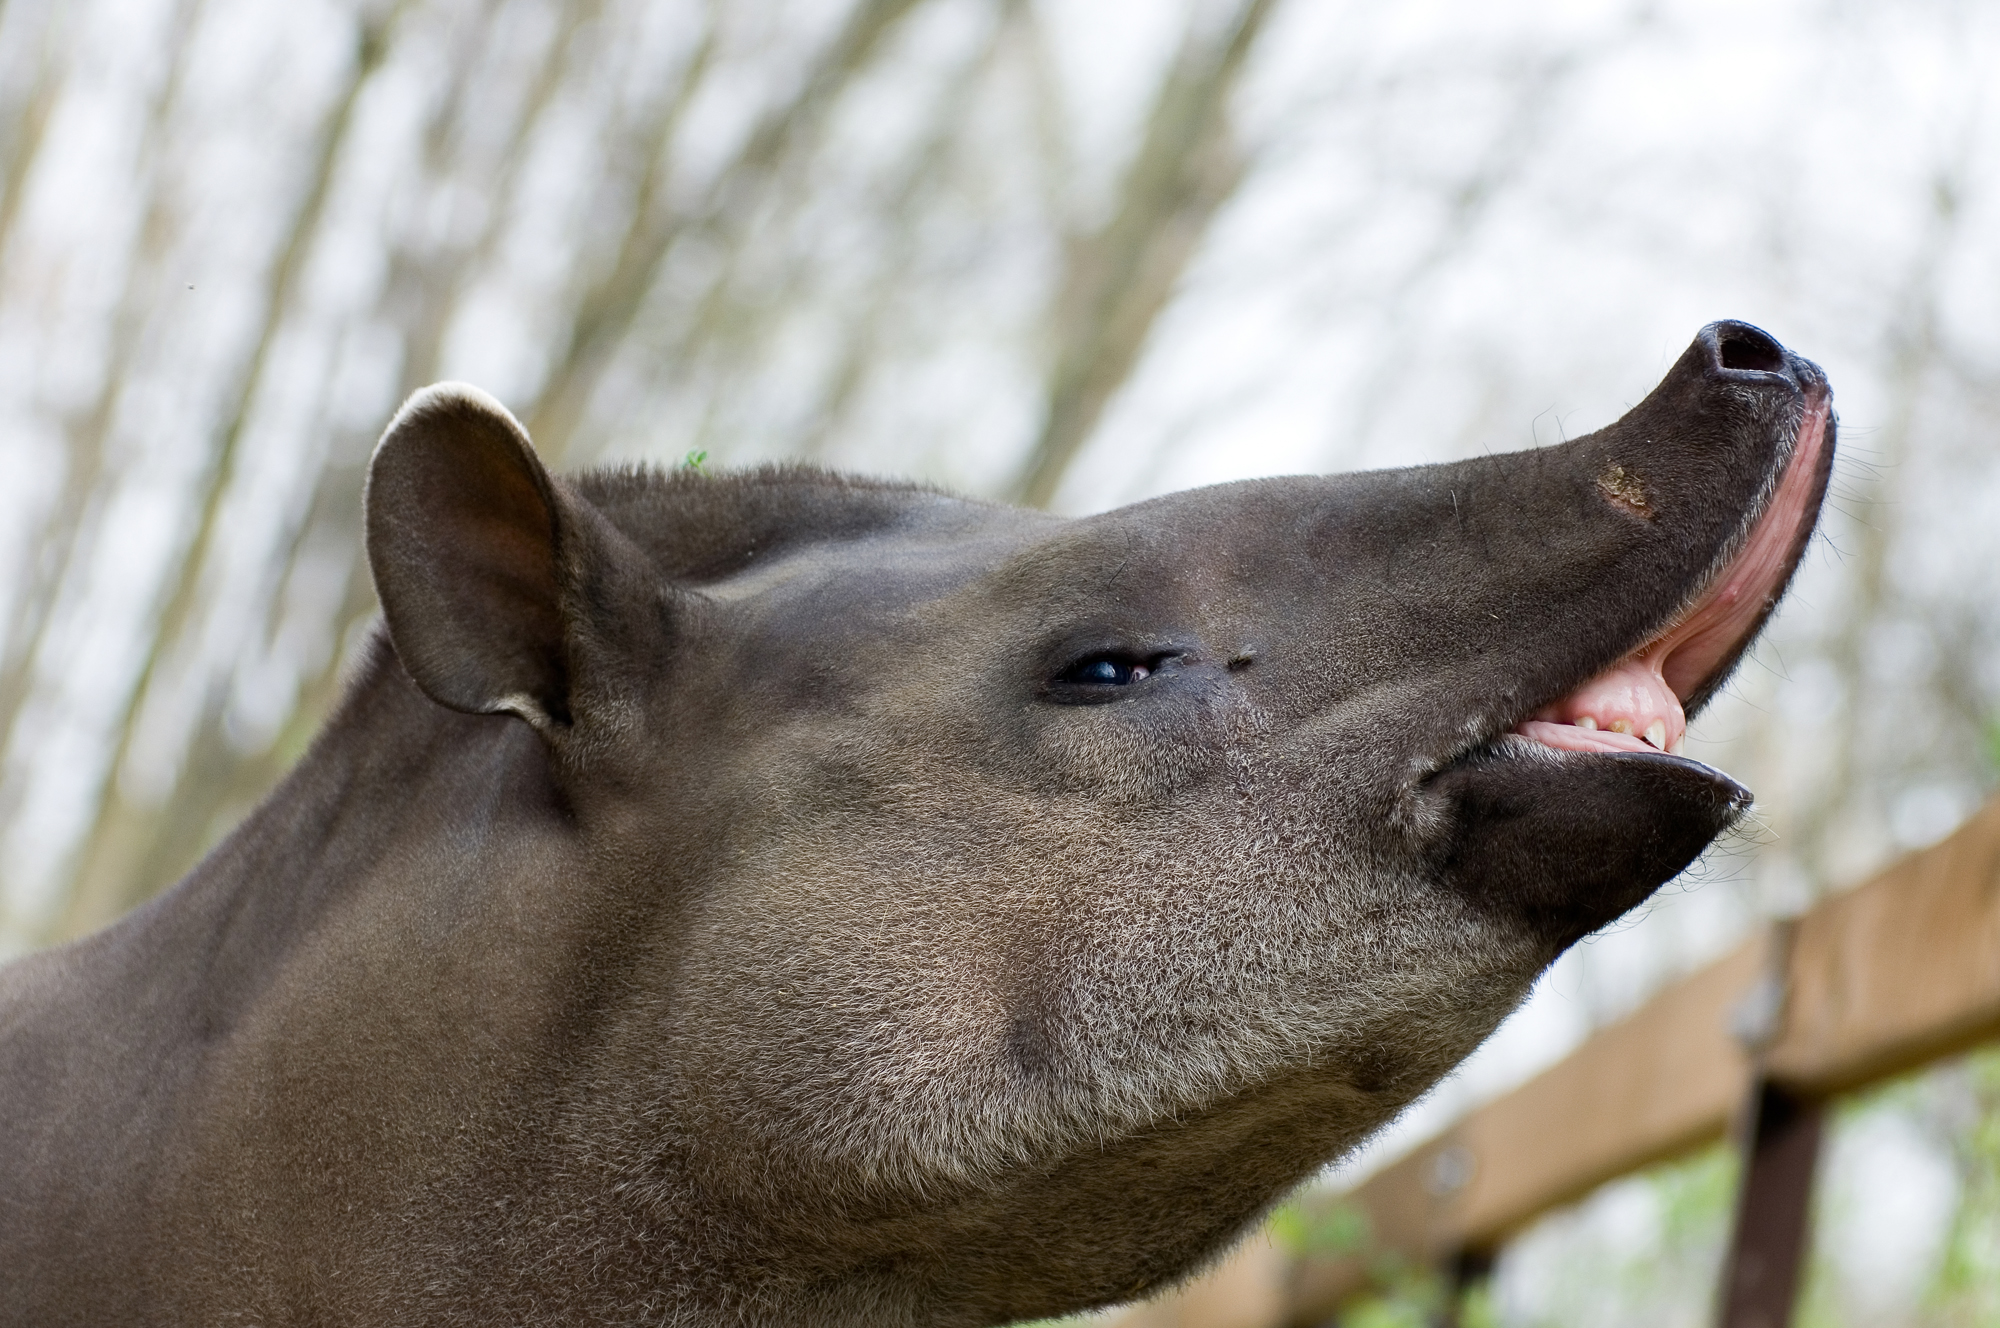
x: 777, y: 898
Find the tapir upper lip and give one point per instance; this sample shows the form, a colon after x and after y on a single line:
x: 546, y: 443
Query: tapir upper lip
x: 1689, y: 656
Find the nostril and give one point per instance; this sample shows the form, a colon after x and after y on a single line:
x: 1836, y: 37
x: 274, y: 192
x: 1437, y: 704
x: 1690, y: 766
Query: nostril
x: 1747, y: 348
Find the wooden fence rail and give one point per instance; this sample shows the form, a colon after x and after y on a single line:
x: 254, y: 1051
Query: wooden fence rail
x: 1892, y: 975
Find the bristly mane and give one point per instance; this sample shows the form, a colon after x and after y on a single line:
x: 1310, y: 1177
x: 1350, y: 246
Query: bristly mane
x: 698, y: 527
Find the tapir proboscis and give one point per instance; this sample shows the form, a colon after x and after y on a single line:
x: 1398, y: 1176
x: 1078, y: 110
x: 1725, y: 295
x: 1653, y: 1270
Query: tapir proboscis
x: 783, y: 899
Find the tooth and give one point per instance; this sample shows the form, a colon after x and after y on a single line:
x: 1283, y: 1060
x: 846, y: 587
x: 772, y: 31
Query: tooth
x: 1586, y: 721
x: 1675, y: 750
x: 1656, y: 733
x: 1621, y: 726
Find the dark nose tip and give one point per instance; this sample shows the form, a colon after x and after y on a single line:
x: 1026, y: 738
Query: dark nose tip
x: 1735, y: 348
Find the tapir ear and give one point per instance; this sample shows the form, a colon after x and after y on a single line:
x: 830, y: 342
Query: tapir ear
x: 466, y: 535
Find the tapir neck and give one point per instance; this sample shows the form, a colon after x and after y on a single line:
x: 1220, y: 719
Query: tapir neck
x: 330, y: 1033
x: 405, y: 822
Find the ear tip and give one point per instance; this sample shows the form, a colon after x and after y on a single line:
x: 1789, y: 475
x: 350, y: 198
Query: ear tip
x: 447, y: 432
x: 450, y: 400
x: 450, y: 392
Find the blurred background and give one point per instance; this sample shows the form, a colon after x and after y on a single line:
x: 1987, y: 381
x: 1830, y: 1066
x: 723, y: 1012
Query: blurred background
x: 1064, y: 252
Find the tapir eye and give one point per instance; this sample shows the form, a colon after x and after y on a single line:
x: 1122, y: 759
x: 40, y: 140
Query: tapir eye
x: 1105, y: 671
x: 1107, y: 675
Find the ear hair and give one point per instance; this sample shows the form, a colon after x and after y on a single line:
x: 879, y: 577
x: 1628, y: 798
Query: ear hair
x: 467, y: 537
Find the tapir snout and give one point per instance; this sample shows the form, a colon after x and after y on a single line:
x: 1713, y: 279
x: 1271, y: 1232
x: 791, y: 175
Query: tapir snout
x: 779, y: 898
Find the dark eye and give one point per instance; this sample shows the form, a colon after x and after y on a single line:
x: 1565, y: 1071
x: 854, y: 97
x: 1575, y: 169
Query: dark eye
x: 1105, y: 671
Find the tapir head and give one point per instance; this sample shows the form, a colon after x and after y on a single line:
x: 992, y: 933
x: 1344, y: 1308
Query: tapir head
x: 1028, y: 901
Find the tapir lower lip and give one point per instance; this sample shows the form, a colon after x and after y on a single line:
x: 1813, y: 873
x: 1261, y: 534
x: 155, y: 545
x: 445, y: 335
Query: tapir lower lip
x: 1566, y: 842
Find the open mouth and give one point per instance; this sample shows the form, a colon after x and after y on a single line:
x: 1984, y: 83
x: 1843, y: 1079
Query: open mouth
x: 1637, y: 705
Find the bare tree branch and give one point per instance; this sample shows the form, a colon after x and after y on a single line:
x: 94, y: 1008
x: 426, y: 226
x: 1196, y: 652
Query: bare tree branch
x: 606, y: 309
x: 1116, y: 281
x: 102, y: 876
x: 63, y: 526
x: 23, y: 123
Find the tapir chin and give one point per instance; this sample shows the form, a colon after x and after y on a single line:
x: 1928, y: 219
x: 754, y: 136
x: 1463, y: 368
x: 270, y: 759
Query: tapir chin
x: 780, y: 898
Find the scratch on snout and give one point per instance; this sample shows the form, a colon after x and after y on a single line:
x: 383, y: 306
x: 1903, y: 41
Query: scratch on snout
x: 1621, y: 488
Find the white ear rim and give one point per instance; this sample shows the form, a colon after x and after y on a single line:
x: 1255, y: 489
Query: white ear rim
x: 449, y: 394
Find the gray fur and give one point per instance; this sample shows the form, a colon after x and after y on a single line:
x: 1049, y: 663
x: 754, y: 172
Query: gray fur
x: 709, y: 906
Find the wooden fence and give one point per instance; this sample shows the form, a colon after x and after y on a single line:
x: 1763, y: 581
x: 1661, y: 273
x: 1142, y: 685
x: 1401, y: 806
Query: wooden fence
x: 1892, y: 975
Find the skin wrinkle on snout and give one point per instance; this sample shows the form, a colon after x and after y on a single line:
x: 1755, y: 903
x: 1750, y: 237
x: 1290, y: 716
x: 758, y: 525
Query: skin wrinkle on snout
x: 926, y: 913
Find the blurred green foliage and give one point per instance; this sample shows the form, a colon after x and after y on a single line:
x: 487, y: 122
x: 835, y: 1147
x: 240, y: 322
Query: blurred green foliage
x: 1410, y: 1297
x: 1589, y: 1272
x: 1956, y: 1107
x: 1323, y: 1232
x: 1966, y: 1289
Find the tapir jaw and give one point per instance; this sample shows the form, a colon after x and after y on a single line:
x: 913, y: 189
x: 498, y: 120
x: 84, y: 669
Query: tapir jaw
x: 1574, y: 805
